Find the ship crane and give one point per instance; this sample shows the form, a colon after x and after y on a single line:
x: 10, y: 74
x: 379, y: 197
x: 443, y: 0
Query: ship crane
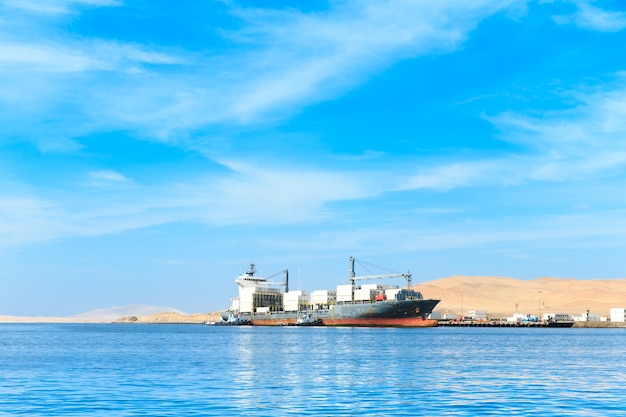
x: 406, y: 276
x: 354, y: 278
x: 249, y: 279
x: 285, y: 282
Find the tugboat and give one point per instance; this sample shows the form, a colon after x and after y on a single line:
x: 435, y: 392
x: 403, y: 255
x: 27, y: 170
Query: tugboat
x: 309, y: 320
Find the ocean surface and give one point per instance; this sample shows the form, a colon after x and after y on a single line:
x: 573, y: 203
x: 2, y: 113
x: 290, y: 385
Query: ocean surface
x: 196, y: 370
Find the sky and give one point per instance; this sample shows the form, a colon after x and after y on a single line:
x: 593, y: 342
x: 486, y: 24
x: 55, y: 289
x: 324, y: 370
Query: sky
x: 150, y: 150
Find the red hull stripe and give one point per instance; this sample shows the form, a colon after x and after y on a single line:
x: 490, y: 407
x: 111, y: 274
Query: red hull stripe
x: 361, y: 322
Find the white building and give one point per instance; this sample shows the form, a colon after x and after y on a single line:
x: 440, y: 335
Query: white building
x: 559, y: 317
x: 587, y: 316
x: 477, y: 314
x: 618, y: 315
x: 519, y: 317
x: 436, y: 315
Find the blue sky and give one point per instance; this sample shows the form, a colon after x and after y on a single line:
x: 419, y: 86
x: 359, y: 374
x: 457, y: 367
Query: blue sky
x: 150, y: 150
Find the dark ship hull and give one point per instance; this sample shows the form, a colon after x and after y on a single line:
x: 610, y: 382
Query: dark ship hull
x: 406, y: 313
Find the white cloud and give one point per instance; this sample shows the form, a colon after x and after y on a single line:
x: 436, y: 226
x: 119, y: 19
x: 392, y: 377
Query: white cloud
x: 584, y: 142
x: 278, y: 195
x: 583, y: 230
x: 294, y: 60
x: 24, y: 220
x: 305, y: 58
x: 574, y: 145
x: 86, y: 56
x: 593, y: 18
x: 108, y: 176
x: 28, y: 220
x: 46, y: 58
x: 56, y: 7
x: 249, y: 195
x: 448, y: 176
x: 284, y: 60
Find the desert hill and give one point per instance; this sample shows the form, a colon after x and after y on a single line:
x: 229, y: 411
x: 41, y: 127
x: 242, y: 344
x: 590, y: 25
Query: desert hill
x: 100, y: 315
x: 171, y: 318
x: 503, y: 296
x: 114, y: 313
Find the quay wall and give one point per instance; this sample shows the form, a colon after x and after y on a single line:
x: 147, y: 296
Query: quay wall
x: 600, y: 324
x: 577, y: 324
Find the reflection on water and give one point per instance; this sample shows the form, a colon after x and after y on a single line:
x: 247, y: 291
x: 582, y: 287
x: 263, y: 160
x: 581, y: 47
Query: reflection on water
x: 202, y: 370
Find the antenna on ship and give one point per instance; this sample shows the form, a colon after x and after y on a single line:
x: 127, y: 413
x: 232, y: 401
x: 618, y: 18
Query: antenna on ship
x: 352, y: 275
x: 408, y: 276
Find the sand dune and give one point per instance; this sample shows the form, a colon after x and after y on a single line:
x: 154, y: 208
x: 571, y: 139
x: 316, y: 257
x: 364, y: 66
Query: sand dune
x: 165, y: 317
x: 172, y: 317
x: 114, y: 313
x: 503, y: 296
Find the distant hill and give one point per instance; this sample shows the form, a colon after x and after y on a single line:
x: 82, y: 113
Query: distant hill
x: 114, y: 313
x: 171, y: 317
x: 503, y: 296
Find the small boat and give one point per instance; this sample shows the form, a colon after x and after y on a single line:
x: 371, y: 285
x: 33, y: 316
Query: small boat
x: 309, y: 320
x: 230, y: 319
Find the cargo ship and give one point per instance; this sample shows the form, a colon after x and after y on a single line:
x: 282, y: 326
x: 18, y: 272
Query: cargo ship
x: 262, y: 302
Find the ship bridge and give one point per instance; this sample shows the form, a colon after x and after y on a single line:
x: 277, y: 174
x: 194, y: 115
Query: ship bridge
x: 255, y: 292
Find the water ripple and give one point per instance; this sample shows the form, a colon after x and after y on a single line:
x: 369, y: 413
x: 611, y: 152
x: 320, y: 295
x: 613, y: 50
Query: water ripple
x: 150, y: 370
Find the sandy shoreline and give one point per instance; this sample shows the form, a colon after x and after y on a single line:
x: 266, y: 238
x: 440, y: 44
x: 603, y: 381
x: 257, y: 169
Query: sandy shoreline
x: 169, y: 318
x: 165, y: 318
x: 39, y: 319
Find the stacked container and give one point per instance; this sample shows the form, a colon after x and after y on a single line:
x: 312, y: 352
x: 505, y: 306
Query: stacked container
x: 322, y: 298
x: 295, y: 300
x: 345, y: 293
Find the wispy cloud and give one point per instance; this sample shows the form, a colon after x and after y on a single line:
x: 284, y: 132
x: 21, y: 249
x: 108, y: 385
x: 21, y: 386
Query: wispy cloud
x: 286, y: 60
x: 277, y: 195
x: 105, y: 178
x: 45, y: 56
x: 582, y: 142
x: 446, y: 176
x: 290, y: 60
x: 55, y: 7
x: 587, y: 140
x: 336, y: 49
x: 593, y: 18
x: 109, y: 202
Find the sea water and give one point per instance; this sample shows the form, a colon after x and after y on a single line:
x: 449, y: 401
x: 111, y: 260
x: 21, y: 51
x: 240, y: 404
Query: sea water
x: 197, y: 370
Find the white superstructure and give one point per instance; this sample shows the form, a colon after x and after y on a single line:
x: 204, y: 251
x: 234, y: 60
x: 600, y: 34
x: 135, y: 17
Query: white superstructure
x: 255, y: 292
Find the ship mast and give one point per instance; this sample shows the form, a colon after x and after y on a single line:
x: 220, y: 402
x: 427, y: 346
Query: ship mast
x: 286, y: 279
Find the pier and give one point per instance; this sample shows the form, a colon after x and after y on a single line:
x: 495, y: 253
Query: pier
x: 493, y: 323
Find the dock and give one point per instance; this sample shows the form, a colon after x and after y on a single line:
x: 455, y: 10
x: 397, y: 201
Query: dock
x: 492, y: 323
